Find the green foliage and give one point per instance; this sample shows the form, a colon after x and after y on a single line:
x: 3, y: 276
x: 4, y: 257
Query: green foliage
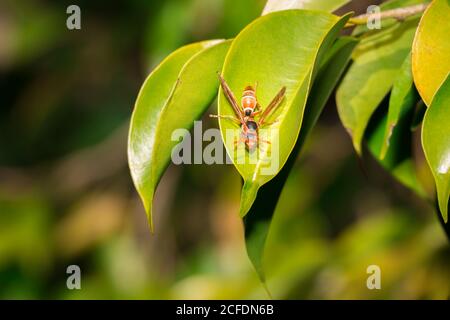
x: 66, y: 196
x: 402, y: 100
x: 436, y: 143
x: 398, y: 158
x: 302, y: 51
x: 392, y: 129
x: 258, y: 220
x: 283, y: 39
x: 376, y: 62
x: 172, y: 97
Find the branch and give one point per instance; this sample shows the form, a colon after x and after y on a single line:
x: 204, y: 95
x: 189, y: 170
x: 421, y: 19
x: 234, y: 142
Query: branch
x: 399, y: 14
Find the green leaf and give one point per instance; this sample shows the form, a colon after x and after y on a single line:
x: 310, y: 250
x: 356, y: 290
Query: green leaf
x: 276, y: 50
x: 402, y: 100
x: 431, y: 50
x: 331, y: 69
x: 176, y: 93
x: 436, y: 143
x: 321, y: 5
x: 377, y: 61
x: 259, y: 217
x: 398, y: 160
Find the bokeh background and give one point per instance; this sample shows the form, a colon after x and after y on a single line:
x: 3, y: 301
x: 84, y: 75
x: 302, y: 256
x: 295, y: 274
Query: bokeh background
x: 66, y: 196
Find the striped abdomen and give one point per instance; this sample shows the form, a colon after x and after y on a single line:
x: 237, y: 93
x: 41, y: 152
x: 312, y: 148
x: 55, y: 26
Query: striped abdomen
x: 248, y: 100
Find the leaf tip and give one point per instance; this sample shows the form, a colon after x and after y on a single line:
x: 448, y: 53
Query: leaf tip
x: 150, y: 223
x: 357, y: 147
x: 266, y: 288
x: 443, y: 206
x: 248, y: 196
x: 149, y: 212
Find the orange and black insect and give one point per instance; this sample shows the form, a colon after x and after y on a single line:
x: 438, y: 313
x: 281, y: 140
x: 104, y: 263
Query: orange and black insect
x: 246, y: 114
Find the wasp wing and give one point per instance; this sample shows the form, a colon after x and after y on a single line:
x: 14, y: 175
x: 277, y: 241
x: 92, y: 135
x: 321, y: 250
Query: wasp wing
x: 272, y: 105
x: 231, y: 98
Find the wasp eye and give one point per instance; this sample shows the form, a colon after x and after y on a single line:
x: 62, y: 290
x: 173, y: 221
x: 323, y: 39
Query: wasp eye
x: 248, y: 113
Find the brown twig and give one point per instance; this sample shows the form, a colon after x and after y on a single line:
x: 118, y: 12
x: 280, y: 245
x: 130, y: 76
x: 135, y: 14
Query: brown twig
x: 398, y: 13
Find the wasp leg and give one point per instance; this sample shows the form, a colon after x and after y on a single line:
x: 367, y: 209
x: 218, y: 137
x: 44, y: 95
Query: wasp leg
x: 225, y: 117
x: 258, y: 106
x: 239, y: 156
x: 264, y: 145
x: 236, y: 141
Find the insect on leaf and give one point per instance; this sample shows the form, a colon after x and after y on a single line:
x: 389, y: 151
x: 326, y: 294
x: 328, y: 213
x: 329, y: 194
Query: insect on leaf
x: 175, y: 94
x: 436, y: 143
x: 277, y: 50
x: 259, y: 217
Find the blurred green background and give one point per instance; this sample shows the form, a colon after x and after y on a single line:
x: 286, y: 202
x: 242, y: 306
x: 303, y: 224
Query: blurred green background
x: 66, y: 196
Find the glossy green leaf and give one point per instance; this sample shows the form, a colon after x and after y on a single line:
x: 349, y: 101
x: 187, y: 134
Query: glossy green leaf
x: 377, y: 62
x: 322, y: 5
x: 176, y: 93
x: 431, y: 49
x: 276, y: 50
x: 402, y: 100
x: 436, y: 143
x: 398, y: 160
x: 259, y: 217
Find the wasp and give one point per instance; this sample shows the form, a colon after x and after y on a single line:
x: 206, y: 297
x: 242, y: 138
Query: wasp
x: 249, y: 115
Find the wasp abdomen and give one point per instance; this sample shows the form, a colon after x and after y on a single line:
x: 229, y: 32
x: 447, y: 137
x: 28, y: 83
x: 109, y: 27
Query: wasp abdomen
x: 251, y: 125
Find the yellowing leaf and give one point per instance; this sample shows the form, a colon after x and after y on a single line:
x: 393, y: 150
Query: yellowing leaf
x: 431, y: 49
